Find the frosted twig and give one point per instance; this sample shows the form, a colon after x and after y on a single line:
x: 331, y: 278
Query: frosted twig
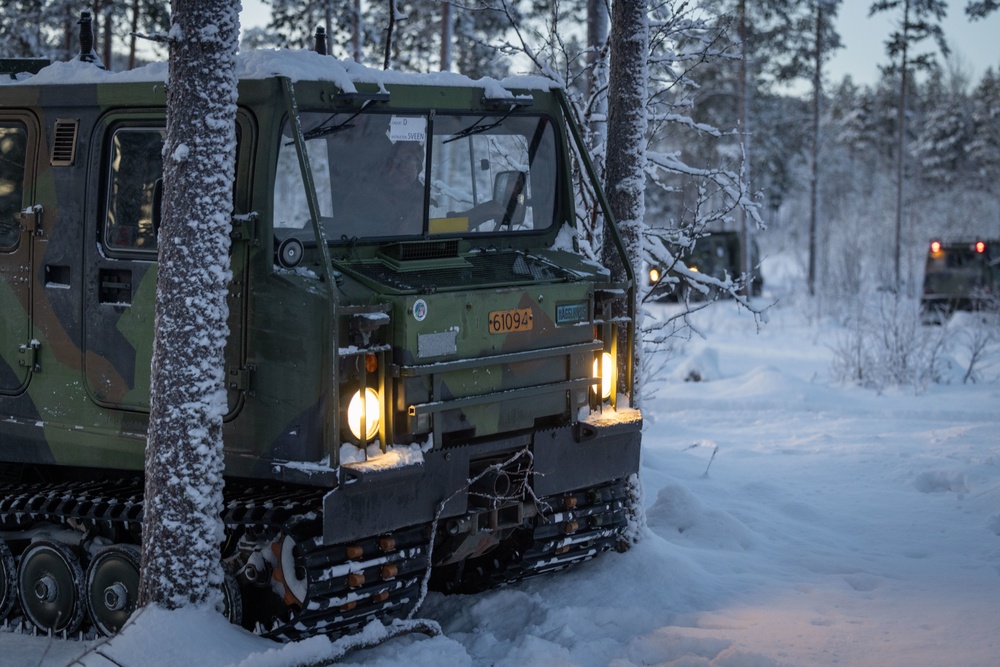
x: 440, y: 510
x: 159, y: 37
x: 714, y: 452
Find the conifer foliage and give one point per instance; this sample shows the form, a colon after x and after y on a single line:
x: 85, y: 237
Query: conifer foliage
x: 47, y: 28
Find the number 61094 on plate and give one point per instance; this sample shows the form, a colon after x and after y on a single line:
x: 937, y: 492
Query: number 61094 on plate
x: 507, y: 321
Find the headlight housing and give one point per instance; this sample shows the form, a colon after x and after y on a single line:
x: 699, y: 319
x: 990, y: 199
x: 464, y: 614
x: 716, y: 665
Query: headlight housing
x: 605, y: 369
x: 367, y: 411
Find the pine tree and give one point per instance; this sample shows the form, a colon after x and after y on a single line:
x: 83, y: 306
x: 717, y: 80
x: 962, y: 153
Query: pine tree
x: 39, y: 28
x: 944, y: 133
x: 825, y: 40
x: 295, y: 22
x: 979, y: 9
x: 144, y: 16
x: 359, y: 31
x: 983, y: 148
x: 182, y: 530
x: 919, y: 20
x: 690, y: 184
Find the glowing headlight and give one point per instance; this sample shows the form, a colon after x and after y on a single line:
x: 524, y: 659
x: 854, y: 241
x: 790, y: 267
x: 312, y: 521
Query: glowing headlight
x: 606, y: 372
x: 368, y: 409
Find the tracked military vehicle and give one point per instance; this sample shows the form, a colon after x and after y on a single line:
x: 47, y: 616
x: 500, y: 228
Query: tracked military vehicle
x: 717, y: 254
x: 959, y: 275
x: 422, y: 375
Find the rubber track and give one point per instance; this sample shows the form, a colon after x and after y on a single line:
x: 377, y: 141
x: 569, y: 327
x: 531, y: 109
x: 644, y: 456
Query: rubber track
x: 348, y: 584
x: 391, y: 566
x: 117, y: 502
x: 568, y: 535
x: 571, y: 528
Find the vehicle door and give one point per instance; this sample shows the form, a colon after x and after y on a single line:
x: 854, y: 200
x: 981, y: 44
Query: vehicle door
x: 119, y: 317
x: 19, y: 222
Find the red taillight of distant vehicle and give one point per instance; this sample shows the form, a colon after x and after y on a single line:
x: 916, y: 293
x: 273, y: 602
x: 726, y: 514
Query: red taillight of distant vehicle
x: 980, y: 246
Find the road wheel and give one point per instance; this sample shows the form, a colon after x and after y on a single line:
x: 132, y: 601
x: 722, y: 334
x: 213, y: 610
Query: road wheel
x: 50, y: 586
x: 113, y: 587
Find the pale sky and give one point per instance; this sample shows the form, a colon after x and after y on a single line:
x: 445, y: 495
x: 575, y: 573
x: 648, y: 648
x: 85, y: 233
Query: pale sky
x: 976, y: 44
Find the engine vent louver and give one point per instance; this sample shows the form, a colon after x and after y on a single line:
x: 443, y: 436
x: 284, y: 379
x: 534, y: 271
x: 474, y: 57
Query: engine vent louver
x: 422, y: 250
x: 64, y: 134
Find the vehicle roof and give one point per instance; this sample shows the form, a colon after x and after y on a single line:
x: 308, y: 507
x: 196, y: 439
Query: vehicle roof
x: 80, y: 84
x: 963, y: 241
x: 298, y: 66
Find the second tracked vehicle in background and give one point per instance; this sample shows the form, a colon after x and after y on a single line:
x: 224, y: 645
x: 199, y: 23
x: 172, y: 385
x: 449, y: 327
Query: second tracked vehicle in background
x: 717, y: 254
x: 959, y: 275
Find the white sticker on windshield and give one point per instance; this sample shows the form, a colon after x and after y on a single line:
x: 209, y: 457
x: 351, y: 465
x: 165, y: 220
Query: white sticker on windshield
x: 407, y: 128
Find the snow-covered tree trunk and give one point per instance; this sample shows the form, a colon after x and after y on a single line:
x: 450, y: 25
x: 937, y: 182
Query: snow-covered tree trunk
x: 182, y: 530
x: 921, y: 19
x: 625, y: 176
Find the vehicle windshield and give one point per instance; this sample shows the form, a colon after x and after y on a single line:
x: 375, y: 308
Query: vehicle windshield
x: 384, y: 175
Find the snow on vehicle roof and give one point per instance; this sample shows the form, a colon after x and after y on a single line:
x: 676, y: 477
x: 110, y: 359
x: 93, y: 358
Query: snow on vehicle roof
x: 296, y: 65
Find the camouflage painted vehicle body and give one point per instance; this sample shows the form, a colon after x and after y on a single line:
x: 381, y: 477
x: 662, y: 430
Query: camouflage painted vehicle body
x: 959, y: 275
x: 488, y: 448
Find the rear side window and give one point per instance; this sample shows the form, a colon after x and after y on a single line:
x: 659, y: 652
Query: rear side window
x: 13, y: 148
x: 135, y: 184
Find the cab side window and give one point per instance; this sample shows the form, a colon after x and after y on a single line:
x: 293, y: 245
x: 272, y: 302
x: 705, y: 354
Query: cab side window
x: 13, y: 147
x: 135, y: 181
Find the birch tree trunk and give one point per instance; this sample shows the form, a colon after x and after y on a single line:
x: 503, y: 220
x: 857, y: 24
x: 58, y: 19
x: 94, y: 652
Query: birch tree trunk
x: 625, y: 178
x: 597, y: 37
x: 182, y: 530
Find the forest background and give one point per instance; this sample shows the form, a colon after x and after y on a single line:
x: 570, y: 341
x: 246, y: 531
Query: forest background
x: 851, y: 179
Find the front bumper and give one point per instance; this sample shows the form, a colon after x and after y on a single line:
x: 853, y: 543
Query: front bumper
x: 371, y: 500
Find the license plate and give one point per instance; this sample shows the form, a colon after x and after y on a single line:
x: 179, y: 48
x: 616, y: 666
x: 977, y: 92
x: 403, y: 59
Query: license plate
x: 507, y: 321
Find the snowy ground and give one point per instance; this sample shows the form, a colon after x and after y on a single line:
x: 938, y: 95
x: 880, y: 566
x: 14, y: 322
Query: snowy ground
x: 833, y: 527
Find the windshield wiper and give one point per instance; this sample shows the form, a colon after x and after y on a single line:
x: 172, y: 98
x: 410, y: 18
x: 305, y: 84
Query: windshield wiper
x: 327, y: 130
x: 476, y: 128
x: 324, y: 130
